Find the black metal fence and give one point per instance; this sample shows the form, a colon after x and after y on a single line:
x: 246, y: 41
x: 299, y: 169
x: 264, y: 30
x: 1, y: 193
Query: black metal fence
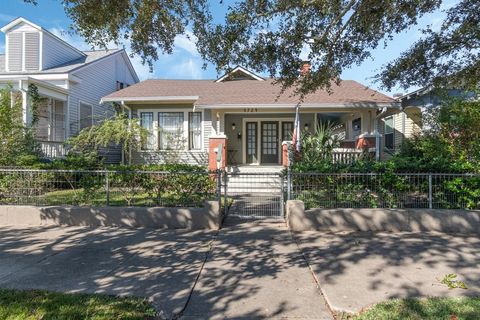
x: 107, y: 188
x: 385, y: 190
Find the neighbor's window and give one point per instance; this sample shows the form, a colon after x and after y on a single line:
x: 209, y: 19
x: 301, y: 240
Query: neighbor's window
x: 195, y: 130
x: 389, y: 133
x: 170, y: 131
x: 86, y: 115
x: 146, y: 121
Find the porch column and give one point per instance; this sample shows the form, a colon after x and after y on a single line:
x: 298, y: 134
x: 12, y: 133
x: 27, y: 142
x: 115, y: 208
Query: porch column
x: 23, y: 87
x: 217, y: 145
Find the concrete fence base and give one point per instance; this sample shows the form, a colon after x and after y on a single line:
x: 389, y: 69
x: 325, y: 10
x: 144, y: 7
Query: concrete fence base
x: 208, y: 217
x: 375, y: 220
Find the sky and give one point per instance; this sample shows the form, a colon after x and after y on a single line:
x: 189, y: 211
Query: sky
x: 185, y: 62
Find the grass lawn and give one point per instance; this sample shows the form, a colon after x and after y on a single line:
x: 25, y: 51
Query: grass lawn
x: 36, y: 305
x: 425, y: 308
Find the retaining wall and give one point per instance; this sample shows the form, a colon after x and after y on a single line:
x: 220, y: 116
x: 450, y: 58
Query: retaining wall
x: 208, y: 217
x: 375, y: 220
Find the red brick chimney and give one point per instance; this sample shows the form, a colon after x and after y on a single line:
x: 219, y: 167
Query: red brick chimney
x: 305, y: 69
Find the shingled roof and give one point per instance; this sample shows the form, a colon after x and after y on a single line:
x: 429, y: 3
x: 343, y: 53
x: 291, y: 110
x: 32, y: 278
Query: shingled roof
x: 246, y: 92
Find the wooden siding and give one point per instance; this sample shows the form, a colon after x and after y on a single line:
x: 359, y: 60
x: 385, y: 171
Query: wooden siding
x: 32, y: 51
x: 55, y: 52
x: 15, y: 51
x: 98, y: 80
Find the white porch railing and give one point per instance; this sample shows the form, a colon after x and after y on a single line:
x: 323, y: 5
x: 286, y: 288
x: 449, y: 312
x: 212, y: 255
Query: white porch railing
x: 346, y: 155
x: 53, y: 149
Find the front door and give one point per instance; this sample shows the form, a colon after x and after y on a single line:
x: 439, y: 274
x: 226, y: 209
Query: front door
x: 269, y: 142
x: 251, y: 142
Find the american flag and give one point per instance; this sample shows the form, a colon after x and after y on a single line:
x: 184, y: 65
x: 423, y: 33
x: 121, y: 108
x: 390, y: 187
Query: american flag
x: 296, y: 140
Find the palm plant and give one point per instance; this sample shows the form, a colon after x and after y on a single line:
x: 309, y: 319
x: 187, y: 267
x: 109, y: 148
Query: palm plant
x: 318, y: 146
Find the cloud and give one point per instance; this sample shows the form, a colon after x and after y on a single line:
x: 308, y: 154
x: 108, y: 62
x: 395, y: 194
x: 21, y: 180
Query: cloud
x: 6, y: 17
x: 188, y: 69
x: 187, y: 42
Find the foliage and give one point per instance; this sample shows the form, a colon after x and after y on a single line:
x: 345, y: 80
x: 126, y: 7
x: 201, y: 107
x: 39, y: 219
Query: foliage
x: 450, y: 280
x: 36, y: 304
x: 426, y: 308
x: 317, y: 147
x: 16, y: 140
x: 119, y: 130
x: 447, y: 56
x: 272, y: 35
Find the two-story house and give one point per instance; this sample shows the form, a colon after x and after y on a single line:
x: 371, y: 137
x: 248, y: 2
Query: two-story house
x: 71, y: 81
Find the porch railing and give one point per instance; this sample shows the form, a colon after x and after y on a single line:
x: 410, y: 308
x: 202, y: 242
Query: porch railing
x: 346, y: 155
x: 53, y: 149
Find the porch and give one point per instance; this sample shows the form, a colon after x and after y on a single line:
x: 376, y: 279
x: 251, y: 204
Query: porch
x: 51, y: 113
x: 256, y: 139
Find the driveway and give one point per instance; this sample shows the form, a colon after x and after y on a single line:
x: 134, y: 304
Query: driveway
x: 161, y: 265
x: 356, y: 270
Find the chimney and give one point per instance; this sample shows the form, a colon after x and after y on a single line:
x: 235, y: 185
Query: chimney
x: 305, y: 69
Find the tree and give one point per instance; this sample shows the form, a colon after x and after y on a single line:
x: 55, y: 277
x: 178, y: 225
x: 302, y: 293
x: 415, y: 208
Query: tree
x: 16, y: 139
x: 118, y: 130
x: 270, y: 35
x: 448, y: 57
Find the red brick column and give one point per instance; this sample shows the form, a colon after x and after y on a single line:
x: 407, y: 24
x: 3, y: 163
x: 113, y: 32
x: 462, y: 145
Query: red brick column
x: 365, y: 142
x: 285, y: 153
x: 213, y: 144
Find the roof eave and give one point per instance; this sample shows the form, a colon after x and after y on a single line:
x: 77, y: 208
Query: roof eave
x: 159, y: 99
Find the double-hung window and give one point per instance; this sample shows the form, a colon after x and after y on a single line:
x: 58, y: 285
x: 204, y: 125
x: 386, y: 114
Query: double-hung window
x: 86, y: 115
x: 146, y: 121
x: 194, y: 130
x: 170, y: 131
x: 389, y: 133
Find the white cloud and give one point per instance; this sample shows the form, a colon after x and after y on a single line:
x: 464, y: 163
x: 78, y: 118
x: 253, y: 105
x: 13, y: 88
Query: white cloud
x: 187, y: 42
x: 143, y: 71
x: 188, y: 69
x: 6, y: 17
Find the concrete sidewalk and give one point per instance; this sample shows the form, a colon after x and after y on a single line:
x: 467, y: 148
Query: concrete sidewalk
x: 161, y: 265
x: 255, y: 270
x: 356, y: 270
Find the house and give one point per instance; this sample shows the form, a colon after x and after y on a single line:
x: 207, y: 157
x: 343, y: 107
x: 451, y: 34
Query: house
x: 71, y: 81
x: 246, y: 115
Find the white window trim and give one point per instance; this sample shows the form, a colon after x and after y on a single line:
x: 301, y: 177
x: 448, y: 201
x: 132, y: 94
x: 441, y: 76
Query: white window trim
x: 259, y: 139
x: 156, y: 111
x: 79, y: 116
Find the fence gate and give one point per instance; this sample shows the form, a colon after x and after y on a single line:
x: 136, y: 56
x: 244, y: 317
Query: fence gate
x: 254, y: 195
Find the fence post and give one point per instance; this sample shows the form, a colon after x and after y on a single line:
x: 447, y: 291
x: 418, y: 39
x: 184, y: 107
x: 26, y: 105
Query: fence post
x: 282, y: 200
x: 219, y: 188
x: 289, y: 183
x: 107, y: 187
x: 430, y: 196
x: 225, y: 191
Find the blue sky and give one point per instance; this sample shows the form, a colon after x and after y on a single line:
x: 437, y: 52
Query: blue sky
x: 185, y: 62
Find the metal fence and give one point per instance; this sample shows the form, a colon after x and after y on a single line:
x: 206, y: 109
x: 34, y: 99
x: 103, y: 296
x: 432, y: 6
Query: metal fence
x: 385, y: 190
x: 107, y: 188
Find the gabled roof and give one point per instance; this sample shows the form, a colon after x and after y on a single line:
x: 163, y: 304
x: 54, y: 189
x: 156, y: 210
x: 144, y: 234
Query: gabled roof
x: 74, y: 65
x: 19, y: 20
x: 248, y: 92
x: 236, y: 74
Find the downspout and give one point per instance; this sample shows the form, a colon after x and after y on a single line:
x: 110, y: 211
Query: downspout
x: 377, y: 134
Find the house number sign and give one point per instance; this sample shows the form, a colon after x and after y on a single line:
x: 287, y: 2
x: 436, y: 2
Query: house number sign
x: 250, y: 110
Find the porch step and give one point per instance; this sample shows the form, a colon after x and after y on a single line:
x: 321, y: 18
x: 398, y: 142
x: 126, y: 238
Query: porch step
x: 254, y: 184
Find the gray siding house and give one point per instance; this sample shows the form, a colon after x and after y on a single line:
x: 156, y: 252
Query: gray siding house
x: 71, y: 81
x: 189, y: 120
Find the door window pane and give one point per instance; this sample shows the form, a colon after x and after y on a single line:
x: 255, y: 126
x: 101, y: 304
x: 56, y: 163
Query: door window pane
x: 195, y: 130
x: 170, y: 126
x: 146, y: 121
x: 287, y: 131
